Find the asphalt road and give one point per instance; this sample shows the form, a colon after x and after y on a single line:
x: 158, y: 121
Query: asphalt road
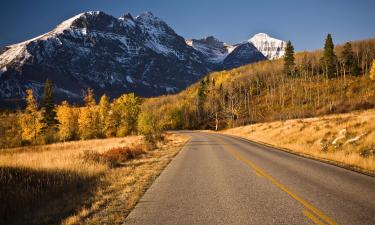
x: 219, y: 179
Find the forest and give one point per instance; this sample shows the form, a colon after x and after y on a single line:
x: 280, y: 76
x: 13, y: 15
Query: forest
x: 335, y: 79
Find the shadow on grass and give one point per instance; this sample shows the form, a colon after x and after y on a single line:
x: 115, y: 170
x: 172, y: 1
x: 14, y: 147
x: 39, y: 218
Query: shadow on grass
x: 29, y: 196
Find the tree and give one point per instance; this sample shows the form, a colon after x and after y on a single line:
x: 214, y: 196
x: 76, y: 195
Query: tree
x: 201, y: 97
x: 30, y: 119
x: 289, y: 59
x: 49, y: 119
x: 329, y: 58
x: 127, y: 108
x: 372, y: 70
x: 68, y: 122
x: 48, y: 106
x: 89, y: 98
x: 88, y: 119
x: 104, y: 109
x: 348, y: 60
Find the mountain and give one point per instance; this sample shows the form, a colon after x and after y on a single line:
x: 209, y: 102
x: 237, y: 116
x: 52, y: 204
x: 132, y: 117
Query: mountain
x: 243, y: 54
x: 260, y: 47
x: 114, y: 56
x: 270, y: 47
x: 214, y: 50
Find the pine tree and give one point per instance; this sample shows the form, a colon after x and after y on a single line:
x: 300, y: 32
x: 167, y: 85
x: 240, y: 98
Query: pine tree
x: 49, y: 119
x: 48, y: 106
x: 201, y: 98
x: 329, y: 58
x: 289, y: 63
x: 372, y: 71
x: 350, y: 64
x: 30, y: 119
x: 347, y: 55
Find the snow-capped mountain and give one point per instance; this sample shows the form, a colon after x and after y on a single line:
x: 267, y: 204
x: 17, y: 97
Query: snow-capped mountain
x: 215, y: 51
x: 111, y: 55
x: 114, y: 56
x: 270, y: 47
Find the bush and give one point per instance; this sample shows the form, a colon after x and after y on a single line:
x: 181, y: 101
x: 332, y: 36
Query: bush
x: 115, y: 156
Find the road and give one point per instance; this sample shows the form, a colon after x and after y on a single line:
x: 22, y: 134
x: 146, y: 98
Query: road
x: 219, y: 179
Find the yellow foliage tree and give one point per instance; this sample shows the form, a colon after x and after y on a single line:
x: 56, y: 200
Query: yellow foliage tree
x: 88, y: 120
x: 30, y: 119
x: 103, y: 110
x: 67, y: 117
x: 127, y: 108
x: 372, y: 71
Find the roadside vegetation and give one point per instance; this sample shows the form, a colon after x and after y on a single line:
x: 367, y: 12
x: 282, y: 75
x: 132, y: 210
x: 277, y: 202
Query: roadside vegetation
x: 80, y: 181
x: 305, y: 84
x: 345, y: 139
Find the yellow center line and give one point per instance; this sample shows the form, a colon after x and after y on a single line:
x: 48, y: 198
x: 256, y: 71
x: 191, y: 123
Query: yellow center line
x: 282, y: 187
x: 312, y: 217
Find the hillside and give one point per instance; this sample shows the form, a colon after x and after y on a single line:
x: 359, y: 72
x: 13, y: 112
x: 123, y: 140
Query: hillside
x: 262, y: 92
x: 344, y: 139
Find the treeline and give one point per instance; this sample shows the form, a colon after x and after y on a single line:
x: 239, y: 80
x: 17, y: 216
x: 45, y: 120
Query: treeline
x: 333, y: 80
x: 306, y: 84
x: 47, y: 123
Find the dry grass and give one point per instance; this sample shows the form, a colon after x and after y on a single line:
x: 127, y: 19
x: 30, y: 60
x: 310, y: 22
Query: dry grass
x: 72, y: 182
x: 345, y: 139
x: 127, y: 183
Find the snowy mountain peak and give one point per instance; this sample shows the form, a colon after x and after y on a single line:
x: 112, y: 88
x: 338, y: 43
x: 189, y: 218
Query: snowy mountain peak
x: 260, y: 36
x: 127, y: 16
x: 210, y: 47
x: 148, y: 16
x: 270, y: 47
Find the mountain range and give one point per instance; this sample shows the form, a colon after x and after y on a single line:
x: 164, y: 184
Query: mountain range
x: 118, y: 55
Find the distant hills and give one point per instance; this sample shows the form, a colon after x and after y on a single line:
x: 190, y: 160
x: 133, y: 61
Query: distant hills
x: 117, y: 55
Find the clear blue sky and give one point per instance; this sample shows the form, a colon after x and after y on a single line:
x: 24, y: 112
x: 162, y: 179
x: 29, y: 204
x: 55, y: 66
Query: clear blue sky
x: 304, y: 22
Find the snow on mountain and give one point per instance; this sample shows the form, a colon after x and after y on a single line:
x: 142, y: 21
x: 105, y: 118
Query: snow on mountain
x: 118, y: 55
x: 271, y: 47
x: 212, y: 48
x: 111, y: 55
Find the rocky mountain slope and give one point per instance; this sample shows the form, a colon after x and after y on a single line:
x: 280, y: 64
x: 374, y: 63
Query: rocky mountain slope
x: 115, y: 55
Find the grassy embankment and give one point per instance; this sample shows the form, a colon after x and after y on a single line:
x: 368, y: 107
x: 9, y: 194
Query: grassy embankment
x: 80, y: 182
x: 343, y: 139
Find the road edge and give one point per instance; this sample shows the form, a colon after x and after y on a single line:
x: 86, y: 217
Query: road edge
x: 323, y: 160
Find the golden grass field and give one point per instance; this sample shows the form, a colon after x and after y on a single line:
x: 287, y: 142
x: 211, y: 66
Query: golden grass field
x: 343, y: 139
x: 80, y: 182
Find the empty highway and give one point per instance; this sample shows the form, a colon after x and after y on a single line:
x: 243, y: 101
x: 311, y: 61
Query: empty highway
x: 218, y: 179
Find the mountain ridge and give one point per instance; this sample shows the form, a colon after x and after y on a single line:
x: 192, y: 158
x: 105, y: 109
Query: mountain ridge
x: 112, y: 55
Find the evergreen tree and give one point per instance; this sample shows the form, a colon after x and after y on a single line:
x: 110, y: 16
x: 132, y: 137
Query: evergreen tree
x: 289, y: 59
x: 48, y: 107
x: 329, y: 58
x: 347, y: 56
x: 201, y: 98
x: 350, y: 64
x: 30, y: 119
x: 372, y: 71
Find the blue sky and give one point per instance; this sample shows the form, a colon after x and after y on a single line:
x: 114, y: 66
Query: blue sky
x: 305, y: 23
